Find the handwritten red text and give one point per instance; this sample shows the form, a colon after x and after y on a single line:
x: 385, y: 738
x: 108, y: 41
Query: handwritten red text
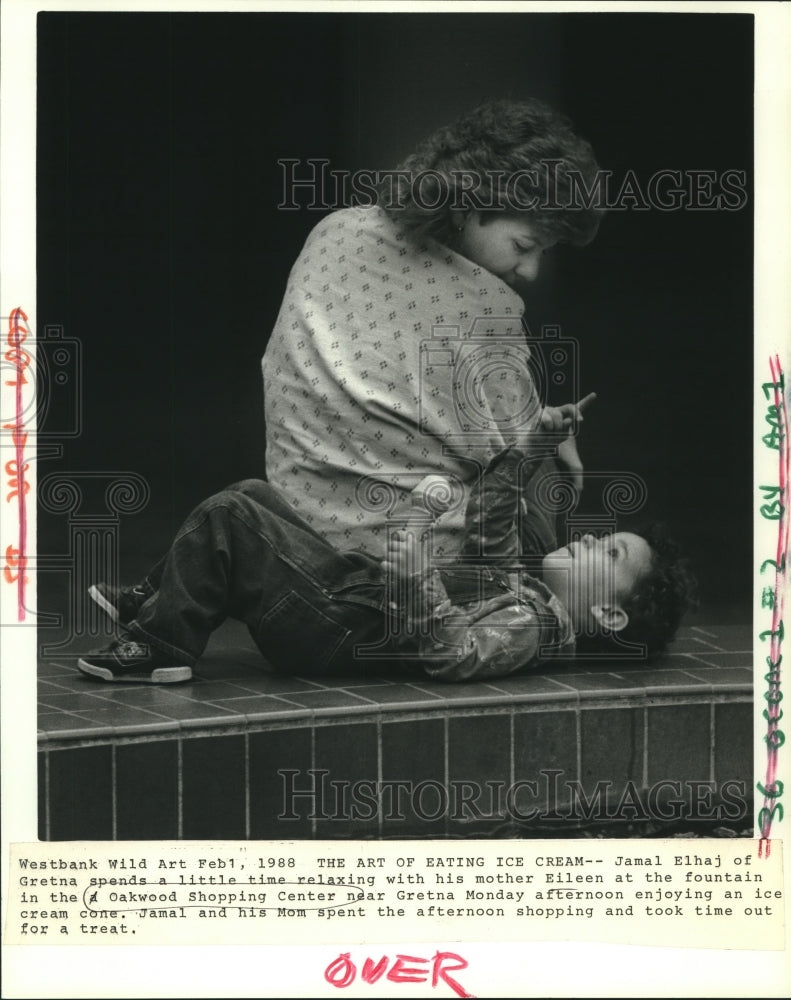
x: 402, y: 969
x: 15, y: 469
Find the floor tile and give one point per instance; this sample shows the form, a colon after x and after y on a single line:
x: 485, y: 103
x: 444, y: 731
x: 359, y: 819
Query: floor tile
x: 412, y: 748
x: 479, y: 757
x: 679, y: 742
x: 696, y: 644
x: 400, y: 695
x: 81, y: 794
x: 214, y: 788
x: 129, y: 719
x: 147, y: 806
x: 538, y: 684
x: 350, y: 754
x: 733, y: 741
x: 256, y: 706
x: 328, y: 699
x: 454, y: 693
x: 75, y: 701
x: 612, y: 746
x: 719, y: 676
x: 283, y: 793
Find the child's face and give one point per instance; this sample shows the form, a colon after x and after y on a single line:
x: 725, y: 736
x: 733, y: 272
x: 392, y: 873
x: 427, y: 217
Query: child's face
x: 592, y: 577
x: 506, y: 245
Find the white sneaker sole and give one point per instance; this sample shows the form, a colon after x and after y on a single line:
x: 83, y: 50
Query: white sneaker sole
x: 162, y: 675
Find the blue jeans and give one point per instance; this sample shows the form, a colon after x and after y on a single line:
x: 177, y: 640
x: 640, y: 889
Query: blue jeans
x: 244, y: 553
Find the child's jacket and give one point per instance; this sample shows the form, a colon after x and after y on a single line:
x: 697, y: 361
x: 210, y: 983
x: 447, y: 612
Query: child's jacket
x: 483, y: 615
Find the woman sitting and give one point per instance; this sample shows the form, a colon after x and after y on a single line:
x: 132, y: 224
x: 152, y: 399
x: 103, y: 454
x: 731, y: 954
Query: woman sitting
x: 399, y: 349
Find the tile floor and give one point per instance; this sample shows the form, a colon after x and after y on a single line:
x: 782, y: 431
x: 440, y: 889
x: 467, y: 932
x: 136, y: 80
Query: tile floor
x: 234, y: 687
x: 243, y: 753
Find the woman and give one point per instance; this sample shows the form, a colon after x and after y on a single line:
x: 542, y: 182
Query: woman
x: 399, y: 349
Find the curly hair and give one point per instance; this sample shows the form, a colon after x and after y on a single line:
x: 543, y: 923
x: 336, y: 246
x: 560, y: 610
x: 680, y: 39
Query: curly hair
x: 657, y: 605
x: 517, y: 156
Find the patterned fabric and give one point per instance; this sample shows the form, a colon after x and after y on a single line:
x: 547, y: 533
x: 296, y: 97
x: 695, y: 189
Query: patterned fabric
x: 389, y: 360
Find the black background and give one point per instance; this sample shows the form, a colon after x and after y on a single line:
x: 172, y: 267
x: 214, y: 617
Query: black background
x: 160, y: 245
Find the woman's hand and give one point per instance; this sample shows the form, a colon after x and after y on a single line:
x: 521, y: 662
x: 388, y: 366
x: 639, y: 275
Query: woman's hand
x: 563, y: 420
x: 570, y: 461
x: 559, y: 419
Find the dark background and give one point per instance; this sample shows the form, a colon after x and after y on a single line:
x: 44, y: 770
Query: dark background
x: 161, y: 248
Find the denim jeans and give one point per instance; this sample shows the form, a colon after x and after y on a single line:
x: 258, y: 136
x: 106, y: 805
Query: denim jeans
x: 244, y: 553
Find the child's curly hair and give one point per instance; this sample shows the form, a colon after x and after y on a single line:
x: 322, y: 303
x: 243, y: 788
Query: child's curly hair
x: 662, y: 597
x: 520, y: 152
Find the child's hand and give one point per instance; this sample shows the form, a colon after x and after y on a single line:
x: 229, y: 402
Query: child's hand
x: 401, y: 565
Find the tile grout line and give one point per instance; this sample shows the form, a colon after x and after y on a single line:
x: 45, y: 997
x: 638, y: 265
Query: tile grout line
x: 247, y: 828
x: 446, y: 777
x: 512, y: 739
x: 180, y: 788
x: 634, y: 734
x: 711, y: 635
x: 47, y: 807
x: 312, y: 815
x: 379, y: 773
x: 114, y: 791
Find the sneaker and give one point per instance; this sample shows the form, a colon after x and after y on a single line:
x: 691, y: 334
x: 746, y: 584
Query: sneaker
x: 129, y: 660
x: 121, y: 604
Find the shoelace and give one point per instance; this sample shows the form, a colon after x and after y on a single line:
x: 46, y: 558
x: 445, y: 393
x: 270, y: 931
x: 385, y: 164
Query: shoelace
x: 130, y: 649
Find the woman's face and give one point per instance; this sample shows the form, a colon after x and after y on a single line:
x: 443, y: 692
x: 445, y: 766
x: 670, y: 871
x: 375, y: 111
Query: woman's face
x: 506, y: 245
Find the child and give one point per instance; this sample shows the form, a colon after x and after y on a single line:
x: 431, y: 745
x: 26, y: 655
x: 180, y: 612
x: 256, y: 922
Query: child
x: 244, y: 553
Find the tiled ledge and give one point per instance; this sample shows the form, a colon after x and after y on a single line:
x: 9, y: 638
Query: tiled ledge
x: 202, y: 760
x: 233, y: 689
